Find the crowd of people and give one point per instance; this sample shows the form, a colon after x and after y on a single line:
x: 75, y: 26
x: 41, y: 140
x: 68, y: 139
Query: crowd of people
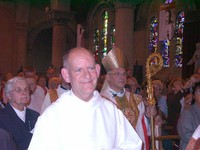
x: 76, y: 107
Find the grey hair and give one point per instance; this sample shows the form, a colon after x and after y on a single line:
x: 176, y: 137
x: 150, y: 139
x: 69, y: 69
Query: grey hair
x: 9, y: 84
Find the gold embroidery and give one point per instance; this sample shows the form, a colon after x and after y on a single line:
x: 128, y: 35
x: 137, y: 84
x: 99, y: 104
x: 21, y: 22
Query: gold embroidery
x: 129, y: 108
x: 134, y: 102
x: 53, y: 95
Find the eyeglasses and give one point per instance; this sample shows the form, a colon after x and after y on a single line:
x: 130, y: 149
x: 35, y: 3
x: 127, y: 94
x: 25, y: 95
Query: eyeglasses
x: 157, y: 88
x: 118, y: 74
x: 19, y: 90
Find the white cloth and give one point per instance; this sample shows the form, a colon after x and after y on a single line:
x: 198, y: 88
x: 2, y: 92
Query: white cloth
x: 20, y: 114
x: 107, y: 94
x: 47, y: 100
x: 73, y: 124
x: 182, y: 101
x: 37, y: 99
x: 196, y: 134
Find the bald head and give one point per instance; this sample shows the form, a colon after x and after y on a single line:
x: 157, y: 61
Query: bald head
x: 72, y: 53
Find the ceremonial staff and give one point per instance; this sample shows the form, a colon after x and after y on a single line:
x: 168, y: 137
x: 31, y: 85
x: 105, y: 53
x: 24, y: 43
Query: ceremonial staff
x: 153, y: 65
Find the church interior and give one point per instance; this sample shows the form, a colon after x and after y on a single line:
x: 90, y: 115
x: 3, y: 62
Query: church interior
x: 38, y: 33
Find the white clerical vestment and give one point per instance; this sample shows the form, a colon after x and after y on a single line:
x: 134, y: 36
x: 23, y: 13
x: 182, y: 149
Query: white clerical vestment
x: 107, y: 93
x: 47, y: 99
x: 73, y: 124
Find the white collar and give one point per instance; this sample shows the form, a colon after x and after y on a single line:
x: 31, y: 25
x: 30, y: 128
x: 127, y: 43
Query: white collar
x: 95, y: 101
x: 119, y: 94
x: 20, y: 114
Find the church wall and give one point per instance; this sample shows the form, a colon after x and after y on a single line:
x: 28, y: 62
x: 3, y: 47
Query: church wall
x: 140, y: 46
x: 36, y: 16
x: 7, y: 34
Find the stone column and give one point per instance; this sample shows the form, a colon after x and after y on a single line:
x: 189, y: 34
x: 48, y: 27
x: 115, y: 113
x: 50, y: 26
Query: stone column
x: 22, y: 15
x: 124, y: 29
x: 59, y: 14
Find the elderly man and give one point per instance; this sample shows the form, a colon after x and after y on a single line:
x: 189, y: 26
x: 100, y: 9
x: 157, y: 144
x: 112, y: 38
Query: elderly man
x: 37, y: 94
x: 81, y: 118
x: 53, y: 94
x: 131, y: 104
x: 15, y: 118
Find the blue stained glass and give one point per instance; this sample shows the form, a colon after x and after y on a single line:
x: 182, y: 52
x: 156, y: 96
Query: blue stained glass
x: 165, y: 52
x: 179, y: 38
x: 168, y: 1
x: 153, y: 43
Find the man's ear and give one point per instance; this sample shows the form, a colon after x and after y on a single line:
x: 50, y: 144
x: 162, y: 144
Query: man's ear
x: 65, y: 74
x: 8, y: 97
x: 108, y: 77
x: 98, y: 69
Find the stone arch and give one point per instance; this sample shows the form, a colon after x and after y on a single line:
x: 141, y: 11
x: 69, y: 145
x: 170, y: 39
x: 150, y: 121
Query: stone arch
x: 95, y: 10
x: 94, y: 17
x: 35, y: 30
x: 37, y: 43
x: 141, y: 15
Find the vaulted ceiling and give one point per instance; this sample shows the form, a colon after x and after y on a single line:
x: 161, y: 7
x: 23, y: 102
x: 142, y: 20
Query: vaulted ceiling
x: 81, y: 7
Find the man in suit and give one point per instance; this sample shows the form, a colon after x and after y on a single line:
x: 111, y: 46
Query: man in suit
x: 15, y: 118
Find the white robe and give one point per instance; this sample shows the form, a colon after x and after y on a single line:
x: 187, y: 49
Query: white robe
x: 139, y: 129
x: 72, y: 124
x: 37, y: 99
x: 47, y: 99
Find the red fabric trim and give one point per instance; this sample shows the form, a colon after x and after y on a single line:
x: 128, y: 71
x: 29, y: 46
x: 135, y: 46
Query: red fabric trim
x: 145, y: 133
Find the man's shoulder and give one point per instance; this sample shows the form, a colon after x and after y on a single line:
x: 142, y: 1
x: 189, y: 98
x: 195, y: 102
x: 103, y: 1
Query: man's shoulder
x: 136, y: 97
x: 105, y: 91
x: 108, y: 101
x: 39, y: 89
x: 32, y: 112
x: 7, y: 110
x: 187, y: 112
x: 60, y: 101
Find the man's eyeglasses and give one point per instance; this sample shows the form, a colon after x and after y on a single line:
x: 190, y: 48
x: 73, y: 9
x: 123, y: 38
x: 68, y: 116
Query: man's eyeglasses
x: 157, y: 88
x: 118, y: 74
x: 19, y: 90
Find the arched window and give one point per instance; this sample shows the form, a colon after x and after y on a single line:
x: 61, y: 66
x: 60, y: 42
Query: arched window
x: 112, y: 36
x: 104, y: 36
x: 153, y: 43
x: 165, y: 52
x: 168, y: 1
x: 105, y: 33
x: 179, y: 39
x: 96, y: 44
x: 166, y: 30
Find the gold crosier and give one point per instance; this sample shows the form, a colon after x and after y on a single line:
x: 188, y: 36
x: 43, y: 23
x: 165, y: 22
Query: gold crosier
x: 153, y: 65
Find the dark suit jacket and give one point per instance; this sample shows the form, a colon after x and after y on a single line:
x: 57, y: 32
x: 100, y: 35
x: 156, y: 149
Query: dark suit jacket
x: 20, y: 131
x: 6, y: 141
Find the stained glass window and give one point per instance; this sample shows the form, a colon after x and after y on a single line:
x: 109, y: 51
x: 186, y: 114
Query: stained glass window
x: 112, y: 36
x: 96, y: 44
x: 153, y: 44
x: 105, y: 33
x: 165, y: 52
x: 179, y: 39
x: 168, y: 1
x: 104, y: 37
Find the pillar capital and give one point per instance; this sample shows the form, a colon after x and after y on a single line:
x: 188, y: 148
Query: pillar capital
x: 59, y: 17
